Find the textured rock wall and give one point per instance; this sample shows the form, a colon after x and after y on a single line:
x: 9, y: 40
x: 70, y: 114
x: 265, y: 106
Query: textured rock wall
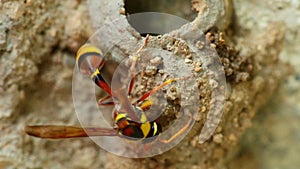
x: 38, y: 40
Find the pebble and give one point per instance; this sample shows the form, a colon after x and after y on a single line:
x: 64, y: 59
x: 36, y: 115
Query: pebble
x: 197, y: 69
x: 188, y: 61
x: 156, y: 60
x: 218, y: 138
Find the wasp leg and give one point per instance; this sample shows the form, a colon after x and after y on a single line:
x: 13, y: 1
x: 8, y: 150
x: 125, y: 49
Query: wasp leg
x: 146, y: 95
x: 181, y: 131
x: 146, y: 104
x: 101, y: 102
x: 134, y: 59
x: 100, y: 82
x: 59, y: 132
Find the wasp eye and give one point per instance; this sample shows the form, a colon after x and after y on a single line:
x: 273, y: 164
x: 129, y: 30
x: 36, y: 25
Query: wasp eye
x: 89, y: 58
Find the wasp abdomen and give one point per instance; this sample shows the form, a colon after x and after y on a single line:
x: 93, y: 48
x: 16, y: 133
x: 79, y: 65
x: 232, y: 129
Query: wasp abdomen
x: 137, y: 131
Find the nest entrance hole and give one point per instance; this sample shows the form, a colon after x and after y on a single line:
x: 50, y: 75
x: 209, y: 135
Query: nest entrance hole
x: 179, y: 8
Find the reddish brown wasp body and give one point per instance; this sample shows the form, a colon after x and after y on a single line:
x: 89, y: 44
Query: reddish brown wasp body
x: 130, y: 121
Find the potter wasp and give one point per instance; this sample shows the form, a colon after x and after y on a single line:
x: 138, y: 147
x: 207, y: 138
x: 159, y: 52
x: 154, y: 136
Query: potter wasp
x: 130, y: 120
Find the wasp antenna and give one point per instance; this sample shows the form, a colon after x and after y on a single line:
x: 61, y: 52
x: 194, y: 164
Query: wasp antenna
x: 144, y: 44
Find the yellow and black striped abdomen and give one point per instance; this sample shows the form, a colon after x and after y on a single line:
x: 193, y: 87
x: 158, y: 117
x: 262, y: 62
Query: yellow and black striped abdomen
x: 137, y: 131
x: 90, y: 61
x: 150, y: 129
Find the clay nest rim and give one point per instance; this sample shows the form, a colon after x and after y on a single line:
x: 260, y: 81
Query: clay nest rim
x: 120, y: 34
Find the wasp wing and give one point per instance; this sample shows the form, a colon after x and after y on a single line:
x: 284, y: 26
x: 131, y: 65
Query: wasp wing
x: 59, y: 132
